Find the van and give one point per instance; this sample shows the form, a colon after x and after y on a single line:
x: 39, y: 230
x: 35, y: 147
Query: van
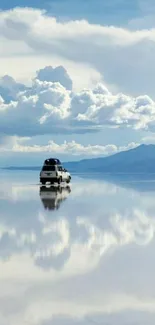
x: 53, y: 172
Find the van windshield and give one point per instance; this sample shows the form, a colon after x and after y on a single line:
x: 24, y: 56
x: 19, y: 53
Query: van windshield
x: 48, y: 168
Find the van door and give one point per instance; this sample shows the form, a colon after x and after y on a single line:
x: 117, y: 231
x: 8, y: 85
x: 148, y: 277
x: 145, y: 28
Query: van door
x: 48, y: 172
x: 60, y: 169
x: 64, y: 174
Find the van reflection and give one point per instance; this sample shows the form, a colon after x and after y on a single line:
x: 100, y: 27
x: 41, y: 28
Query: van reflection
x: 53, y: 196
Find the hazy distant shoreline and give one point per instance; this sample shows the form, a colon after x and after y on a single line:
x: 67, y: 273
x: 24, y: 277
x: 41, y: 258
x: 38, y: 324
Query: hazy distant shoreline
x: 139, y: 161
x: 93, y: 174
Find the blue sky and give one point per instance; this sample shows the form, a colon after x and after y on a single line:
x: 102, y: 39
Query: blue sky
x: 98, y: 11
x: 94, y: 94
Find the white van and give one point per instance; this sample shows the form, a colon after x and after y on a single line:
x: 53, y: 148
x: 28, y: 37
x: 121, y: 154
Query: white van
x: 53, y: 172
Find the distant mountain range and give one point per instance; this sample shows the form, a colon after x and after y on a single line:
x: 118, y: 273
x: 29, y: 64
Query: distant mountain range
x: 135, y: 161
x: 138, y: 160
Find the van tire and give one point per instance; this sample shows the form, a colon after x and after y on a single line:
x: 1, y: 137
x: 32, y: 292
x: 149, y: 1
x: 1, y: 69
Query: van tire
x: 59, y: 180
x: 68, y: 180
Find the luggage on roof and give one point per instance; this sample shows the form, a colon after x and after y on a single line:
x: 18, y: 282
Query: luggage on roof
x: 52, y: 161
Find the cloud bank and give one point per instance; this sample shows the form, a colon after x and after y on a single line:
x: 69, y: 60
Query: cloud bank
x: 19, y: 145
x: 50, y: 106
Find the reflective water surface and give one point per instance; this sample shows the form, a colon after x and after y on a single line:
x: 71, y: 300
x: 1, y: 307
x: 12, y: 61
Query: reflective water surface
x: 81, y: 254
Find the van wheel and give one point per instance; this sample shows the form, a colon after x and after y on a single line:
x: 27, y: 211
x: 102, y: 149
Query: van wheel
x: 43, y: 183
x: 59, y: 180
x: 68, y: 180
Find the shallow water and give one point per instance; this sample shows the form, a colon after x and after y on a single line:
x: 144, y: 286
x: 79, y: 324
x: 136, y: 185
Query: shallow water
x: 79, y: 255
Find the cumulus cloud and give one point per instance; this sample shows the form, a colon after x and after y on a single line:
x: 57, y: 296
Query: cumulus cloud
x: 9, y: 88
x: 42, y: 109
x: 112, y: 51
x: 15, y: 144
x: 58, y: 74
x: 49, y: 107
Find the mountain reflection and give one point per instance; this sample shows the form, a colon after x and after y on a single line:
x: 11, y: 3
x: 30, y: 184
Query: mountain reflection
x: 53, y: 196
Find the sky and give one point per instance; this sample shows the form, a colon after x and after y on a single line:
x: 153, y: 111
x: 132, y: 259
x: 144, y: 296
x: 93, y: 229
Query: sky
x: 97, y: 11
x: 76, y: 78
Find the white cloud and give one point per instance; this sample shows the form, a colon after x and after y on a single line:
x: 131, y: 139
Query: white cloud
x: 15, y: 144
x: 150, y: 139
x: 58, y: 74
x: 48, y: 107
x: 125, y: 58
x: 42, y: 107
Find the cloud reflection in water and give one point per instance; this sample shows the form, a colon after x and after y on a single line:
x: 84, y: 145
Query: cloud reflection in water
x: 85, y: 262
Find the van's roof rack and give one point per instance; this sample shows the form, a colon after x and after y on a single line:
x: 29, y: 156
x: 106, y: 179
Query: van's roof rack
x: 52, y: 161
